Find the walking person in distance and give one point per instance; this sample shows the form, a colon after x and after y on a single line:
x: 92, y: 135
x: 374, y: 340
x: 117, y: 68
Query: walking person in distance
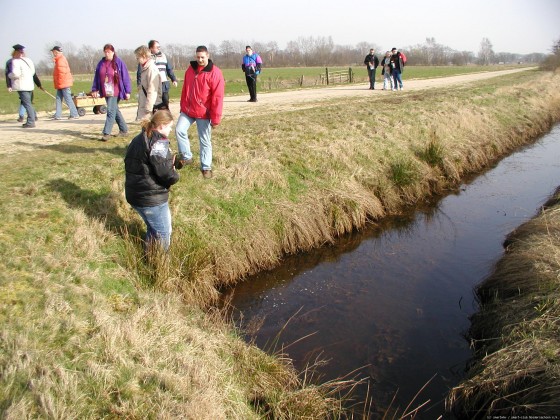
x: 22, y: 81
x: 112, y: 82
x: 63, y: 81
x: 165, y: 71
x: 371, y: 61
x: 386, y: 71
x: 397, y: 66
x: 150, y: 83
x: 251, y: 66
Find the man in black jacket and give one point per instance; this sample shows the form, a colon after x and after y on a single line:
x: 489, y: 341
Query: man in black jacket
x: 397, y: 67
x: 371, y: 61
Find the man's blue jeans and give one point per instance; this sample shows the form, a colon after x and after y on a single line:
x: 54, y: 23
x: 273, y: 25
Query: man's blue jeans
x: 204, y: 137
x: 25, y: 98
x: 397, y: 78
x: 114, y: 114
x: 67, y: 96
x: 158, y: 224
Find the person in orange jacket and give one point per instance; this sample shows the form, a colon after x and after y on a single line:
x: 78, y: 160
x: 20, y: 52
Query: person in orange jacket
x: 202, y: 102
x: 63, y: 80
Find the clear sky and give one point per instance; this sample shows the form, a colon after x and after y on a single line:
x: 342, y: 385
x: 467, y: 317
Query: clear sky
x: 516, y: 26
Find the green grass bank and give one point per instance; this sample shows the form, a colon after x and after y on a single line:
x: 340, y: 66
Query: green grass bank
x: 515, y: 370
x: 90, y: 330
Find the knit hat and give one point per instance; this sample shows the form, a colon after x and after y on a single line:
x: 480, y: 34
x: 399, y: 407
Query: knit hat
x: 57, y: 48
x: 18, y: 47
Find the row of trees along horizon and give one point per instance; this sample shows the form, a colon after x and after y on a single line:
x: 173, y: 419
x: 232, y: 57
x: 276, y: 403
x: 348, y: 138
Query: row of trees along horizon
x: 302, y: 52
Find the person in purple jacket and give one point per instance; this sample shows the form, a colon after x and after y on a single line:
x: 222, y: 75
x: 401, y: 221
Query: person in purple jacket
x: 251, y: 66
x: 112, y: 82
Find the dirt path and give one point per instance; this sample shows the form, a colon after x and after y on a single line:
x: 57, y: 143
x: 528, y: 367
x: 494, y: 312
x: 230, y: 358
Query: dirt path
x: 88, y: 127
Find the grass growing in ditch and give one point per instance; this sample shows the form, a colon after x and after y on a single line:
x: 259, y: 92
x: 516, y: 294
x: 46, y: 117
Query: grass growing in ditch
x: 90, y: 330
x: 516, y: 333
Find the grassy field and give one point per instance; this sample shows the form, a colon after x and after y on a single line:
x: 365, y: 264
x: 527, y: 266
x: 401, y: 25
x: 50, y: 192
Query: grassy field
x: 91, y: 329
x: 271, y: 80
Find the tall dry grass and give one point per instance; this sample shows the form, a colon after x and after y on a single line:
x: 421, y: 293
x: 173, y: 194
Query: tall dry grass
x: 290, y: 182
x: 516, y: 333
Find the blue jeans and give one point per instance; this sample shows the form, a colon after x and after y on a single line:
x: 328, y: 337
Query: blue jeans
x: 25, y: 98
x: 204, y: 137
x: 22, y: 110
x: 397, y: 78
x: 114, y: 114
x: 158, y: 223
x: 67, y: 96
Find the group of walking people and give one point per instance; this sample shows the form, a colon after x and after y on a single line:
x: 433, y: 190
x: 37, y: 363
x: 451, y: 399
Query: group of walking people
x: 150, y: 165
x: 392, y: 65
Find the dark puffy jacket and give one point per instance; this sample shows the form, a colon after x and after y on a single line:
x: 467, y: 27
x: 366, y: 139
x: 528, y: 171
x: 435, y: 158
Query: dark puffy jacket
x: 397, y: 61
x: 149, y: 170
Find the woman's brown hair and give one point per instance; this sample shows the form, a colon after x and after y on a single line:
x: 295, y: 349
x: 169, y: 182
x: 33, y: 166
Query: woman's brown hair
x: 161, y: 117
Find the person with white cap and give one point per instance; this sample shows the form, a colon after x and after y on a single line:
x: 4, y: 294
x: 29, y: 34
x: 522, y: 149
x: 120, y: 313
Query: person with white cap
x: 21, y: 75
x: 63, y: 81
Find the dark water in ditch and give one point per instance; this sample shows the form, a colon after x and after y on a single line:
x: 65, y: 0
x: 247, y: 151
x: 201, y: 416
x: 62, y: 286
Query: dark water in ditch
x: 391, y: 303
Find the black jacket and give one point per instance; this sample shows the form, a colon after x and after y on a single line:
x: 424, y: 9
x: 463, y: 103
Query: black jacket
x: 371, y: 58
x: 149, y: 170
x: 396, y: 59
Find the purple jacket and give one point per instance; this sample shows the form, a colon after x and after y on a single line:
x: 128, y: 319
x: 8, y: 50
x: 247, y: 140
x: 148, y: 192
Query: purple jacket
x: 124, y: 79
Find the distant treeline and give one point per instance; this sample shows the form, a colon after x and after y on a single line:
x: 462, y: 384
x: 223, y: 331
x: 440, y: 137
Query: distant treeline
x: 304, y: 51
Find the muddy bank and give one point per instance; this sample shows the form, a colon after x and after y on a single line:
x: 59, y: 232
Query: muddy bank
x: 516, y: 333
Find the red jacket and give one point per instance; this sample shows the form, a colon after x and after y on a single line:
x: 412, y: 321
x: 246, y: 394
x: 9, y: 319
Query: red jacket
x: 62, y: 77
x: 203, y: 92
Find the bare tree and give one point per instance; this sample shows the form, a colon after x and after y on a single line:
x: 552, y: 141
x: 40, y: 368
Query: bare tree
x: 486, y: 53
x: 85, y: 59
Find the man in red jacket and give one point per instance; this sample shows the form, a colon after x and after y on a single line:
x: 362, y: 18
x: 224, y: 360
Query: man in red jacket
x: 202, y: 101
x: 63, y: 81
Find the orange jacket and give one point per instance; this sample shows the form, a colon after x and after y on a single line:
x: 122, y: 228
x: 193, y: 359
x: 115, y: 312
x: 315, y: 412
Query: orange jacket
x: 62, y: 77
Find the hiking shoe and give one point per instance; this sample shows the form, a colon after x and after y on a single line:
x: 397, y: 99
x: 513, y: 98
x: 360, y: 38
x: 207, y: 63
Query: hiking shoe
x: 55, y: 118
x: 206, y: 173
x: 74, y: 118
x: 28, y: 125
x: 180, y: 163
x: 122, y: 134
x: 105, y: 137
x: 20, y: 119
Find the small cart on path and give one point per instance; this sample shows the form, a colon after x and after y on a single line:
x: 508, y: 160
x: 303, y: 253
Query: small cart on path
x: 82, y: 100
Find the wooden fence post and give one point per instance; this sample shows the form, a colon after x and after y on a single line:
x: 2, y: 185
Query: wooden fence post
x: 350, y: 75
x: 327, y: 72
